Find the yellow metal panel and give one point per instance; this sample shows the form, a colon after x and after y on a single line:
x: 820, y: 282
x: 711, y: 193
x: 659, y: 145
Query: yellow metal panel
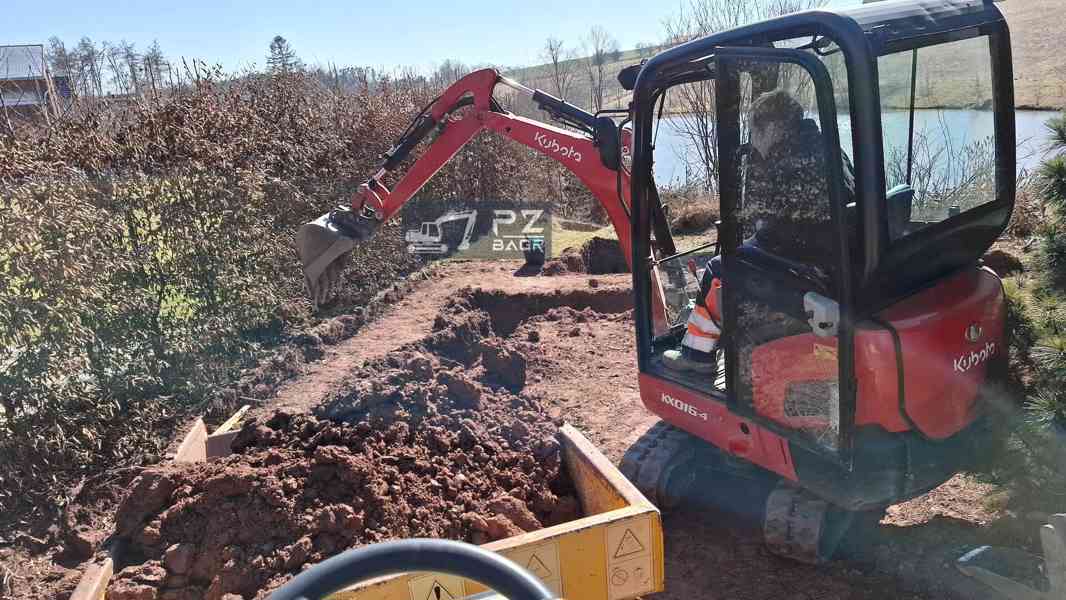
x: 577, y: 560
x: 234, y: 420
x: 93, y: 584
x: 584, y: 566
x: 194, y: 447
x: 622, y: 532
x: 600, y: 486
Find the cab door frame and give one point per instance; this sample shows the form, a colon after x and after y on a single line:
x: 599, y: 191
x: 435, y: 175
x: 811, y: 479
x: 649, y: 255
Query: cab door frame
x: 728, y: 96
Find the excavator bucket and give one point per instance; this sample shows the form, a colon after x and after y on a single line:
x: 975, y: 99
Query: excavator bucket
x: 324, y: 252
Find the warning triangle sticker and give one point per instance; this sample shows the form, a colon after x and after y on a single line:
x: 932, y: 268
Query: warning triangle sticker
x: 537, y: 567
x: 629, y: 545
x: 439, y: 592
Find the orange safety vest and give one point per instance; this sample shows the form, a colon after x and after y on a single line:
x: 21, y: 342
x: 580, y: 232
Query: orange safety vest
x: 703, y: 328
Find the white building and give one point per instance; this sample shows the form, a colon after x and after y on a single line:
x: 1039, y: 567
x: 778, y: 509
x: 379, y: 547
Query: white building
x: 26, y: 86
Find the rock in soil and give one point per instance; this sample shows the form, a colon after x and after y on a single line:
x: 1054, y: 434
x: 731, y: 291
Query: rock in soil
x: 434, y: 440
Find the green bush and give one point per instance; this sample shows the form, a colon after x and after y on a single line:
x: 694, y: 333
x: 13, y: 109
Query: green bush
x: 1031, y: 460
x: 1021, y: 328
x: 1053, y: 175
x: 148, y: 255
x: 1057, y: 128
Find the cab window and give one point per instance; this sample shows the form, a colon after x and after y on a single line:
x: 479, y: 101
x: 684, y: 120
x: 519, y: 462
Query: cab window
x: 939, y: 137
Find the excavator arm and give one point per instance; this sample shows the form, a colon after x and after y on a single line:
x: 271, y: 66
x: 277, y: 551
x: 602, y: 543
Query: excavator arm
x: 592, y: 153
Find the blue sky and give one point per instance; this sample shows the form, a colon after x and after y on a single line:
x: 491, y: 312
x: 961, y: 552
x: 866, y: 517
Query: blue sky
x: 351, y: 32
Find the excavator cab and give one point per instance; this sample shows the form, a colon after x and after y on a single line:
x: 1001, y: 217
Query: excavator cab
x: 861, y: 339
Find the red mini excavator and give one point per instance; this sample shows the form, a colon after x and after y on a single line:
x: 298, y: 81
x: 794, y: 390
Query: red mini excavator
x: 842, y: 385
x: 591, y: 149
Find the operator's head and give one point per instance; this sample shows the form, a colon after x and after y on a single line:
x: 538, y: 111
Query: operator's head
x: 774, y: 115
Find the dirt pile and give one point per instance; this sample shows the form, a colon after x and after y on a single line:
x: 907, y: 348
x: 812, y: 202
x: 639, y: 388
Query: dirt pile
x: 602, y: 255
x: 568, y: 261
x: 433, y: 440
x: 597, y: 256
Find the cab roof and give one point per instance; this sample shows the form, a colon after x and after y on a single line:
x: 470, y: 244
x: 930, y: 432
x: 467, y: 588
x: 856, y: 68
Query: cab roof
x: 883, y: 27
x: 893, y: 21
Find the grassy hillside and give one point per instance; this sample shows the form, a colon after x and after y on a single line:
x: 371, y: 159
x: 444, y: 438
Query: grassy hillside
x: 1038, y: 34
x: 1039, y: 69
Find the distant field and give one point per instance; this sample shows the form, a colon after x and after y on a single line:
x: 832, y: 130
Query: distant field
x: 1038, y: 31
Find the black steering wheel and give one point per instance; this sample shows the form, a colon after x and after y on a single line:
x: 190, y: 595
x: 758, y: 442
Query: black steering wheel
x: 440, y: 556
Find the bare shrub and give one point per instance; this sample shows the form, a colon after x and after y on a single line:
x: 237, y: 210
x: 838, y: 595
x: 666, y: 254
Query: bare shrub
x: 693, y: 215
x: 148, y: 253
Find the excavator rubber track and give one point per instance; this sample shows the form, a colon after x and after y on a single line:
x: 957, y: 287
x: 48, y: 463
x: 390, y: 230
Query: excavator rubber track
x: 657, y: 462
x: 673, y: 469
x: 795, y: 524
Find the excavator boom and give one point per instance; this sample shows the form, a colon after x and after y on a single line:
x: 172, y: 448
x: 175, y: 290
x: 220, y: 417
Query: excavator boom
x: 592, y: 152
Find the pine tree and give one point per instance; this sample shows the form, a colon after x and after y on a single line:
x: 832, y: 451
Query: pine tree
x: 282, y: 58
x: 154, y: 64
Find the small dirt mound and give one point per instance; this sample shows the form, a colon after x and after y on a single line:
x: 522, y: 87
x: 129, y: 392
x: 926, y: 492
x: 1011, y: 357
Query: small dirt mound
x: 602, y: 255
x: 569, y: 261
x: 695, y: 216
x: 506, y: 311
x: 433, y: 440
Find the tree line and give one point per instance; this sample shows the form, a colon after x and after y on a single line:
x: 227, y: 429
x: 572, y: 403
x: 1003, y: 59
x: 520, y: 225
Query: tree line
x: 109, y: 67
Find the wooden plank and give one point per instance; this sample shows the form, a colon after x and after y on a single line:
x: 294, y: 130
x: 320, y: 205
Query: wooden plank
x: 233, y: 421
x: 218, y: 444
x: 94, y: 581
x: 194, y: 447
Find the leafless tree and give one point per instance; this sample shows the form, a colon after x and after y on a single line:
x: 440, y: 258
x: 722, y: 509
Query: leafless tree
x: 155, y: 66
x: 125, y: 66
x: 562, y: 63
x: 645, y: 49
x: 449, y: 72
x: 693, y: 104
x: 600, y: 50
x: 90, y: 66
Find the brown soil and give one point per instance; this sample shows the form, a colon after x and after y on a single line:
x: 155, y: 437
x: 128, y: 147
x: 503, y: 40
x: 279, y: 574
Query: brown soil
x: 574, y: 336
x: 597, y: 256
x: 433, y: 440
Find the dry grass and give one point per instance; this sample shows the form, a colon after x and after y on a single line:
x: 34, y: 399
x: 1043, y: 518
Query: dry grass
x: 1039, y: 71
x: 1036, y: 37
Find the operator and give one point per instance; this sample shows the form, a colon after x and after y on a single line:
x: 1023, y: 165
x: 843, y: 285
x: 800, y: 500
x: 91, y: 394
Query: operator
x: 784, y: 212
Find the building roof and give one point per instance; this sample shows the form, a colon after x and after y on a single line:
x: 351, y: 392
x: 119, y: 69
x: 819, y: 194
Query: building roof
x: 22, y: 62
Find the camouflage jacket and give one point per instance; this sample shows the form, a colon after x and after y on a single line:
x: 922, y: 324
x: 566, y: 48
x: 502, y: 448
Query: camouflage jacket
x: 785, y: 204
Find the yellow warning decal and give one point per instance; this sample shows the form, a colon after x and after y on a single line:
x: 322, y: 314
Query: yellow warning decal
x: 630, y: 569
x: 541, y: 560
x: 825, y: 352
x: 437, y: 586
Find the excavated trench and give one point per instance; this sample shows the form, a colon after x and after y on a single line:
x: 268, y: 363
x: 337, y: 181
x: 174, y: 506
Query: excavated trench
x: 436, y: 439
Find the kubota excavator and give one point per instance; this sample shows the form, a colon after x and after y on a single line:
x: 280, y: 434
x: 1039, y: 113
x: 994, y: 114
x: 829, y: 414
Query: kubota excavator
x: 839, y: 389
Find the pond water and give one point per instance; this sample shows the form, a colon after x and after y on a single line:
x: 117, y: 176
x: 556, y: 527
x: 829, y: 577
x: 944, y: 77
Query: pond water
x: 954, y: 128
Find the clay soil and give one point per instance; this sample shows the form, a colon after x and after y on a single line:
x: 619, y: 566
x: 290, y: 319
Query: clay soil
x: 435, y: 439
x: 473, y: 354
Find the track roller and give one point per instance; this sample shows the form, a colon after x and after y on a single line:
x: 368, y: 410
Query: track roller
x: 659, y: 464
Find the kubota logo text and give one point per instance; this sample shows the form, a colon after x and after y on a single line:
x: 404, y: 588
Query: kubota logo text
x: 968, y: 361
x: 554, y: 146
x: 684, y: 407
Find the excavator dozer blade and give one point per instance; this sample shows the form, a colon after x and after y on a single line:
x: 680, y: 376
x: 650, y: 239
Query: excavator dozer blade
x: 324, y: 252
